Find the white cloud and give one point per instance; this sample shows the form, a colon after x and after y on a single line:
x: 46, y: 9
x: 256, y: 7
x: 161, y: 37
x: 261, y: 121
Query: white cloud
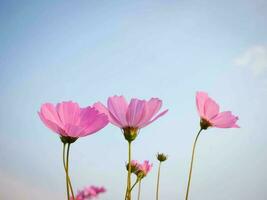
x: 254, y: 58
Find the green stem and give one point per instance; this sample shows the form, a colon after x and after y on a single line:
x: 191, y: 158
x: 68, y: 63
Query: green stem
x: 191, y: 165
x: 157, y: 194
x: 67, y: 171
x: 137, y: 179
x: 67, y: 185
x: 128, y: 191
x: 139, y: 190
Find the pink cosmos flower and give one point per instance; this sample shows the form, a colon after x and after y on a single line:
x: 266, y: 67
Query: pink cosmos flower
x: 208, y: 110
x: 69, y: 120
x: 145, y: 167
x: 137, y: 114
x: 135, y: 165
x: 133, y: 116
x: 141, y: 169
x: 89, y: 192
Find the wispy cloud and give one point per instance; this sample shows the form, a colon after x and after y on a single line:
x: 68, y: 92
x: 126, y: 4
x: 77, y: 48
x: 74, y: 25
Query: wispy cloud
x: 254, y: 58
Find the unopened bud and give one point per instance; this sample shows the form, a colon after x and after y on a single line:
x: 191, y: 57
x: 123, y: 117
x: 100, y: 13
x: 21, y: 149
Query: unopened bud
x: 161, y: 157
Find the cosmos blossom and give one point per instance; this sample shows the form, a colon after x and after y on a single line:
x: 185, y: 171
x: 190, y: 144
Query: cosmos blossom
x: 208, y: 110
x: 69, y: 120
x: 137, y: 114
x: 140, y: 169
x: 145, y: 167
x: 131, y: 117
x: 210, y: 116
x: 89, y: 192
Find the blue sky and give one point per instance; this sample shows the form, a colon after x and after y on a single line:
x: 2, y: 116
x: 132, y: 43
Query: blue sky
x: 86, y: 51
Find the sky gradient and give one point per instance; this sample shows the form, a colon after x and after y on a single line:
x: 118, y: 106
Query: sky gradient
x: 86, y: 51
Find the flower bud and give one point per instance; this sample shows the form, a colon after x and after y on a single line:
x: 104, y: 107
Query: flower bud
x: 161, y: 157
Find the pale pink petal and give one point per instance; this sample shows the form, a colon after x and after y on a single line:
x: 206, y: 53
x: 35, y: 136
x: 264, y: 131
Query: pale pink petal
x: 211, y: 109
x: 158, y: 116
x: 51, y: 125
x: 225, y: 120
x: 49, y: 112
x: 145, y: 167
x: 135, y: 112
x: 87, y: 116
x: 117, y: 106
x: 135, y: 163
x: 91, y: 120
x: 103, y: 109
x: 100, y: 122
x: 84, y: 118
x: 68, y: 112
x: 201, y: 98
x: 73, y: 130
x: 151, y: 109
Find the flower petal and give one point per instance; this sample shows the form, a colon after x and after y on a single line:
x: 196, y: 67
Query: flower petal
x: 146, y: 167
x: 225, y: 120
x: 87, y: 116
x: 135, y: 112
x: 68, y: 112
x: 158, y: 116
x: 103, y: 109
x: 211, y: 109
x: 49, y: 112
x: 201, y: 98
x: 151, y: 108
x: 51, y: 125
x: 73, y: 130
x: 117, y: 106
x: 100, y: 121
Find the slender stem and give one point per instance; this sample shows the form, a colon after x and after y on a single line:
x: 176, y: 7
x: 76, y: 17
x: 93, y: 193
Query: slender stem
x: 128, y: 191
x: 139, y: 190
x: 157, y: 194
x: 67, y: 171
x: 191, y: 165
x: 67, y: 185
x: 137, y: 179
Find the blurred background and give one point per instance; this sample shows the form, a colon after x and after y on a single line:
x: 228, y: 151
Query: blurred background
x: 86, y: 51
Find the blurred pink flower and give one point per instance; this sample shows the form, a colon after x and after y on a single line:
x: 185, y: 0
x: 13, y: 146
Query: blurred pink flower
x: 141, y: 169
x: 135, y: 163
x: 69, y: 120
x: 145, y: 167
x: 89, y: 192
x: 137, y: 114
x: 134, y: 166
x: 208, y: 110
